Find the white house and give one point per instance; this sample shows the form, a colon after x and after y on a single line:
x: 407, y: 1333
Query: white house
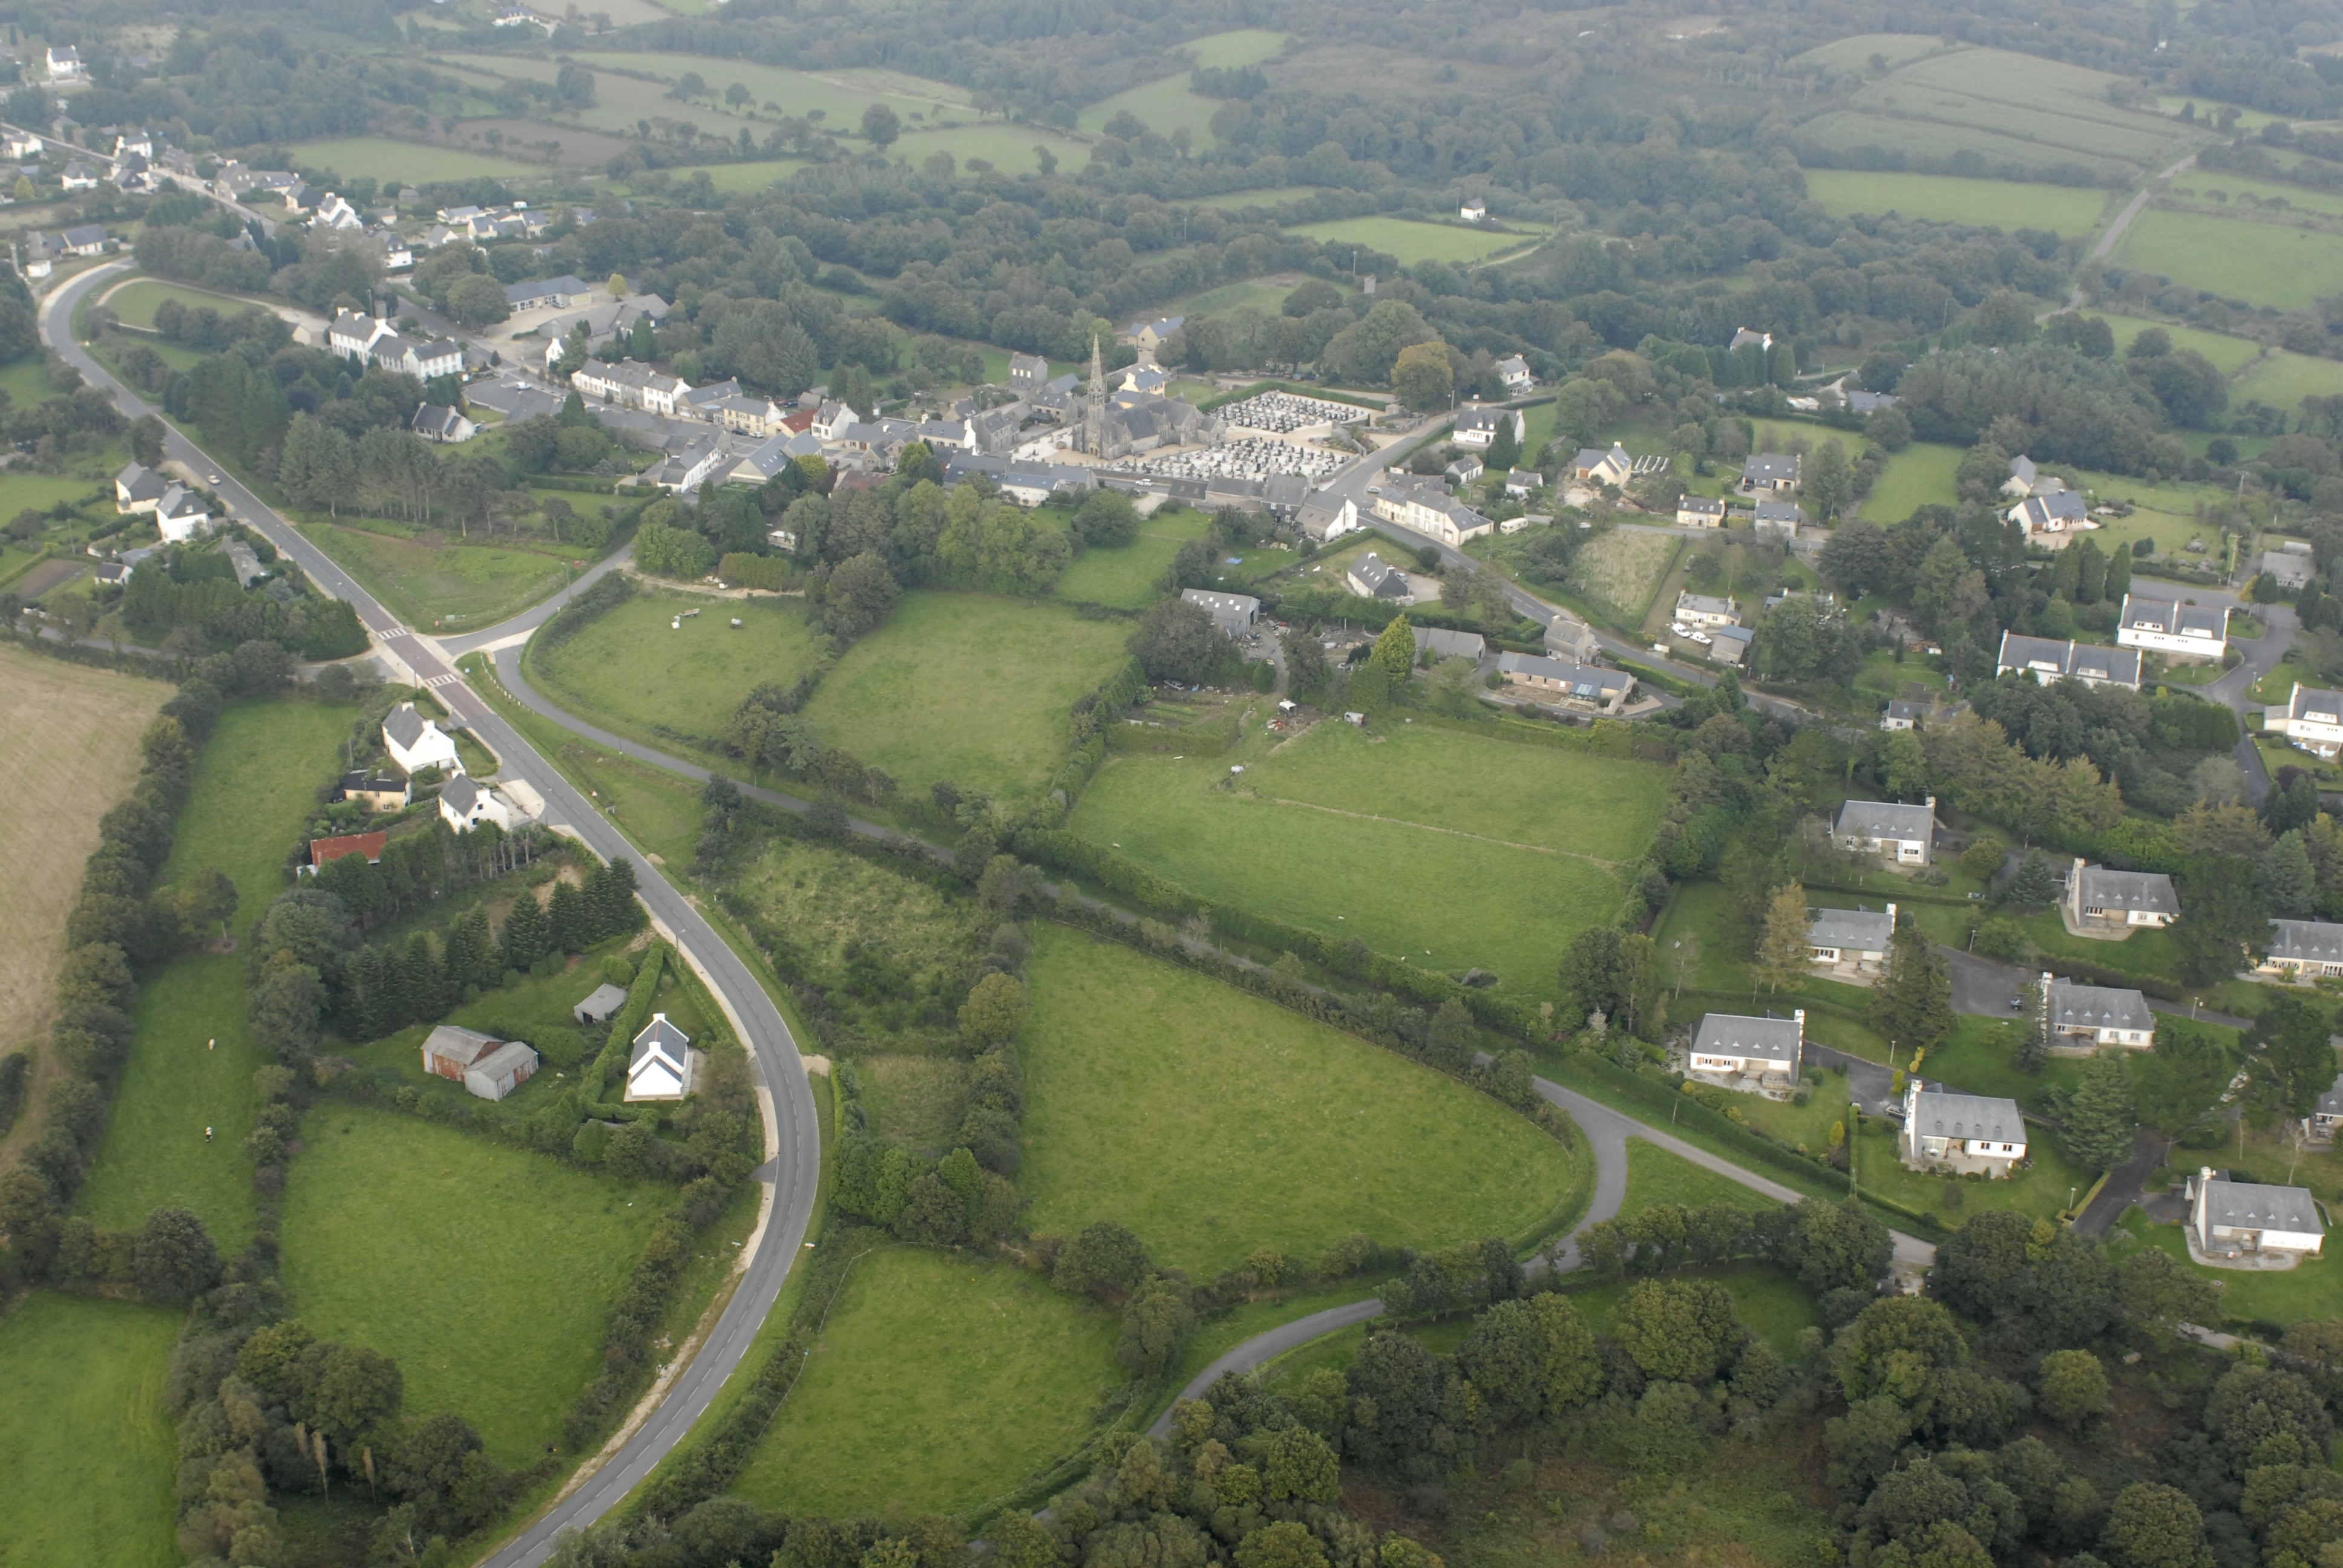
x: 1473, y: 210
x: 1903, y: 834
x: 65, y: 64
x: 138, y: 488
x: 465, y: 805
x: 2099, y: 897
x: 353, y: 335
x: 2303, y: 951
x: 2321, y: 1124
x: 1964, y: 1133
x: 2311, y: 720
x: 1428, y: 509
x: 1699, y: 512
x: 2049, y: 662
x: 1753, y: 1055
x: 437, y: 422
x: 424, y: 360
x: 180, y: 515
x: 2085, y: 1017
x: 415, y: 742
x: 2169, y: 627
x: 336, y: 212
x: 1476, y: 424
x: 1705, y: 610
x: 2233, y: 1220
x: 1774, y: 471
x: 695, y: 465
x: 1594, y: 466
x: 631, y: 385
x: 1854, y: 940
x: 1514, y: 372
x: 2052, y: 521
x: 77, y: 177
x: 659, y: 1067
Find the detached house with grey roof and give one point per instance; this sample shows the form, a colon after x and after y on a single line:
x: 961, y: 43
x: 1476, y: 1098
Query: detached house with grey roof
x: 2083, y: 1018
x: 2302, y: 951
x: 1751, y: 1055
x: 1573, y: 686
x: 1905, y: 835
x: 2177, y: 630
x: 1371, y: 577
x: 1772, y: 472
x: 1980, y: 1133
x: 2099, y: 899
x: 2322, y: 1122
x: 2049, y: 662
x: 2248, y: 1224
x: 1852, y: 942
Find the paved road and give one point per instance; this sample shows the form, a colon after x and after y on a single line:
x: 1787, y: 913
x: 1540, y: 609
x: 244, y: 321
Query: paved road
x: 2261, y: 655
x: 1983, y: 988
x: 2123, y: 1186
x: 536, y: 615
x: 792, y: 1128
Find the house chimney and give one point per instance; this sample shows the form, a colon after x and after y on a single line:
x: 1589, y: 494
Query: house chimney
x: 1800, y: 1014
x: 1891, y: 914
x: 1930, y: 802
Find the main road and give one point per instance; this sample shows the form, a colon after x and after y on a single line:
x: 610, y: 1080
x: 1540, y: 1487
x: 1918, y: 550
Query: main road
x: 792, y: 1168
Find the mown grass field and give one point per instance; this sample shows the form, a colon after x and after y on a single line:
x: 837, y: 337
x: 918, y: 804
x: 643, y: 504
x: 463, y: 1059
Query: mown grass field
x: 1920, y: 475
x: 1414, y: 242
x: 1355, y: 847
x: 1656, y: 1176
x: 486, y: 1272
x: 2220, y: 188
x: 1855, y: 54
x: 2068, y: 210
x: 966, y: 687
x: 2226, y: 354
x: 1213, y: 1123
x: 135, y: 302
x: 2283, y: 380
x: 1165, y: 105
x: 937, y: 1384
x: 2238, y: 258
x: 254, y: 785
x: 68, y: 751
x: 749, y: 176
x: 430, y: 580
x: 399, y: 163
x: 633, y: 670
x: 1242, y: 47
x: 2022, y: 98
x: 86, y: 1447
x: 1127, y: 577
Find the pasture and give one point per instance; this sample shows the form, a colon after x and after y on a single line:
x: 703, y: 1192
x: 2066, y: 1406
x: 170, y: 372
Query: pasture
x: 1360, y: 858
x: 1921, y: 475
x: 433, y: 582
x: 1413, y: 241
x: 1213, y: 1123
x: 395, y: 163
x: 2238, y: 258
x: 1127, y: 577
x: 2226, y: 354
x: 1244, y: 47
x: 937, y: 1384
x: 738, y: 177
x: 1853, y: 130
x: 2068, y: 210
x: 486, y: 1271
x: 254, y: 785
x: 1856, y: 54
x: 966, y: 687
x: 1009, y: 148
x: 68, y: 751
x: 85, y: 1443
x: 631, y: 670
x: 2283, y: 380
x: 2220, y: 188
x: 1164, y: 106
x: 135, y: 302
x: 2025, y: 98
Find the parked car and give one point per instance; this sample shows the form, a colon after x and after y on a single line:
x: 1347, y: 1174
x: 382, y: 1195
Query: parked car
x: 1701, y: 638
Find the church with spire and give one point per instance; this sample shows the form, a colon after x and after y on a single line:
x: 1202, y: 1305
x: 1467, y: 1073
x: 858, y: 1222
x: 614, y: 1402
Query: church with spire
x: 1135, y: 416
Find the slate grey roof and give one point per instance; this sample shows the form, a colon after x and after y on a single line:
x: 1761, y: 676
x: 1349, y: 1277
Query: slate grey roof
x: 143, y: 483
x: 1768, y: 468
x: 1583, y: 680
x: 1229, y: 610
x: 462, y: 794
x: 2095, y: 1007
x: 2058, y: 506
x: 1383, y: 578
x: 1862, y: 930
x: 659, y: 1034
x: 2251, y: 1206
x: 1780, y: 512
x: 2082, y: 660
x: 2307, y: 941
x: 1942, y: 1113
x: 1886, y: 820
x: 467, y: 1046
x: 1904, y: 708
x: 2166, y: 614
x: 2285, y: 566
x: 2147, y: 891
x: 1444, y: 644
x: 2331, y: 1102
x: 1730, y: 1034
x: 404, y: 725
x: 2021, y: 469
x: 2315, y: 703
x: 600, y: 1003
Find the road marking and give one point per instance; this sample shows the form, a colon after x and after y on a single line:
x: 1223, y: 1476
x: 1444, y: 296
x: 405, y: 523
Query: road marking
x: 439, y: 681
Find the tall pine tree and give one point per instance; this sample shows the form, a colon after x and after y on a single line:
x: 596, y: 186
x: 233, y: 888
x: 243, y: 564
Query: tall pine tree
x: 566, y: 919
x: 423, y: 992
x: 2100, y: 1125
x: 1913, y: 1002
x: 525, y: 933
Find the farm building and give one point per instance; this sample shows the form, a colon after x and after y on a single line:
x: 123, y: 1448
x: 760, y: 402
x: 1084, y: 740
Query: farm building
x: 415, y: 742
x: 2233, y: 1221
x: 1753, y: 1055
x: 1853, y: 940
x: 601, y: 1005
x: 2303, y: 951
x: 324, y: 852
x: 376, y: 793
x: 1234, y: 613
x: 2085, y: 1017
x: 1903, y: 834
x: 1962, y: 1132
x: 488, y: 1067
x: 2099, y: 896
x: 659, y: 1067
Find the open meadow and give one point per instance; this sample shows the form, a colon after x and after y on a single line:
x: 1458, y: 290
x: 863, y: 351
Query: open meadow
x: 86, y: 1446
x: 631, y: 670
x: 430, y: 580
x: 2283, y: 380
x: 966, y: 687
x: 2224, y: 352
x: 1361, y: 845
x: 1213, y: 1123
x: 255, y: 784
x: 1656, y: 1176
x: 937, y: 1384
x: 2068, y: 210
x: 2220, y: 188
x: 68, y: 751
x: 486, y: 1271
x: 1621, y: 570
x: 1413, y: 241
x: 744, y: 176
x: 136, y: 301
x: 1921, y: 475
x: 1164, y: 106
x: 2236, y: 258
x: 397, y: 163
x: 1127, y: 577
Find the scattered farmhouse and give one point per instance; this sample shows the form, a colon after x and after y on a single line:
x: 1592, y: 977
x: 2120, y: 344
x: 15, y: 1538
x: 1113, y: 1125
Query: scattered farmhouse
x: 2082, y: 1018
x: 1594, y: 466
x: 464, y: 805
x: 1472, y: 210
x: 601, y: 1004
x: 1234, y: 613
x: 1753, y: 1055
x: 1573, y: 686
x: 2171, y: 627
x: 1962, y: 1132
x: 2237, y: 1222
x: 415, y: 742
x: 659, y: 1067
x: 487, y: 1067
x: 1852, y: 941
x: 138, y: 488
x: 1903, y: 834
x: 2101, y: 899
x: 2048, y: 661
x: 2311, y: 720
x: 2303, y: 951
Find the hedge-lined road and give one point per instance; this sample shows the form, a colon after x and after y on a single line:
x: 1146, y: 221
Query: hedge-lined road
x: 792, y: 1131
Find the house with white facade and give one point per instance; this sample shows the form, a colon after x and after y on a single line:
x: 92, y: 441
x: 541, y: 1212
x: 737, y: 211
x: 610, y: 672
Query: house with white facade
x: 1594, y: 466
x: 424, y: 359
x: 414, y: 742
x: 1477, y: 423
x: 659, y: 1062
x: 1514, y: 372
x: 180, y: 515
x: 2233, y: 1222
x: 2051, y: 522
x: 353, y: 335
x: 1472, y: 210
x: 437, y: 422
x: 1774, y: 473
x: 2303, y: 951
x: 2049, y: 662
x: 2083, y: 1018
x: 631, y: 385
x: 2098, y: 897
x: 1852, y: 941
x: 1699, y: 512
x: 1905, y: 835
x: 1428, y: 509
x: 138, y: 488
x: 2174, y: 629
x: 2311, y: 720
x: 464, y: 805
x: 1707, y: 609
x: 65, y: 63
x: 1753, y: 1055
x: 1960, y: 1132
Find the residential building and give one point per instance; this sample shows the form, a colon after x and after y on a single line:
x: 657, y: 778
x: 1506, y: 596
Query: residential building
x: 2050, y: 662
x: 1854, y: 939
x: 1705, y: 610
x: 2085, y: 1017
x: 1777, y: 521
x: 601, y: 1005
x: 1521, y: 483
x: 2303, y: 951
x: 1234, y: 613
x: 1904, y: 713
x: 2051, y: 521
x: 773, y: 457
x: 2020, y: 483
x: 1427, y: 509
x: 85, y: 239
x: 376, y: 793
x: 1962, y: 1132
x: 1027, y: 374
x: 1573, y: 686
x: 243, y: 563
x: 2172, y: 628
x: 112, y: 574
x: 2311, y: 720
x: 1699, y: 512
x: 1476, y: 425
x: 659, y: 1065
x: 2099, y: 897
x: 324, y: 852
x: 1572, y: 640
x: 1755, y: 1055
x: 19, y: 146
x: 631, y: 385
x: 138, y: 488
x: 2292, y: 569
x: 564, y: 293
x: 423, y: 360
x: 2232, y: 1220
x: 65, y: 63
x: 414, y: 742
x: 1776, y: 472
x: 464, y: 805
x: 1514, y: 372
x: 334, y: 211
x: 1464, y: 470
x: 1473, y: 210
x: 487, y: 1067
x: 1743, y: 338
x: 1433, y: 644
x: 2321, y: 1124
x: 77, y: 177
x: 1889, y: 829
x: 1148, y: 337
x: 1594, y: 467
x: 180, y: 515
x: 437, y: 422
x: 353, y: 335
x: 1371, y: 577
x: 694, y: 465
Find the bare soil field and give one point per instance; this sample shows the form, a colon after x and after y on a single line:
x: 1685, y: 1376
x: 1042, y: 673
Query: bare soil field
x: 580, y: 150
x: 68, y: 751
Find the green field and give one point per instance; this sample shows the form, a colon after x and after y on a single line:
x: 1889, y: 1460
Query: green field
x: 2068, y: 210
x: 135, y: 302
x: 486, y: 1272
x: 749, y: 176
x: 1127, y: 577
x: 966, y: 687
x: 1656, y: 1176
x: 1165, y: 105
x: 1244, y: 47
x: 84, y: 1444
x: 1009, y: 148
x: 2056, y: 108
x: 1855, y: 54
x: 937, y: 1385
x: 1213, y: 1123
x: 1275, y: 197
x: 2309, y: 1290
x: 1341, y: 834
x: 2220, y: 188
x: 1252, y: 293
x: 434, y: 582
x: 1840, y: 131
x: 2238, y: 258
x: 2283, y: 380
x: 1921, y: 475
x: 1414, y: 242
x: 254, y: 786
x: 630, y: 669
x: 408, y: 163
x: 2226, y: 354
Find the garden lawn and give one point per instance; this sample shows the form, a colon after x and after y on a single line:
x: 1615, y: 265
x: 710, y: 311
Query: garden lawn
x: 1921, y: 475
x: 935, y: 1385
x: 966, y: 687
x: 1656, y: 1177
x: 2239, y: 258
x: 2066, y: 210
x: 2042, y: 1191
x: 255, y: 783
x: 486, y: 1272
x: 631, y: 670
x: 397, y: 163
x: 2309, y: 1290
x: 1127, y: 577
x: 433, y: 582
x: 86, y: 1446
x: 1414, y: 242
x: 1213, y: 1123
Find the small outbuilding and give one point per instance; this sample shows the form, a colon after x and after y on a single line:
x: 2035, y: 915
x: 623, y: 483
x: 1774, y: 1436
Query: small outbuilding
x: 601, y: 1004
x: 487, y: 1067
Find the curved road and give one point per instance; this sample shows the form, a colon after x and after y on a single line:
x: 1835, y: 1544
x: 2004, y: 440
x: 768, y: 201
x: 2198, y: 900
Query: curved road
x: 792, y: 1128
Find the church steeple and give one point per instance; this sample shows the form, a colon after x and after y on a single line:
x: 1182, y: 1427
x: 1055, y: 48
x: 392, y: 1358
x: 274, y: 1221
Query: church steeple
x: 1094, y: 415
